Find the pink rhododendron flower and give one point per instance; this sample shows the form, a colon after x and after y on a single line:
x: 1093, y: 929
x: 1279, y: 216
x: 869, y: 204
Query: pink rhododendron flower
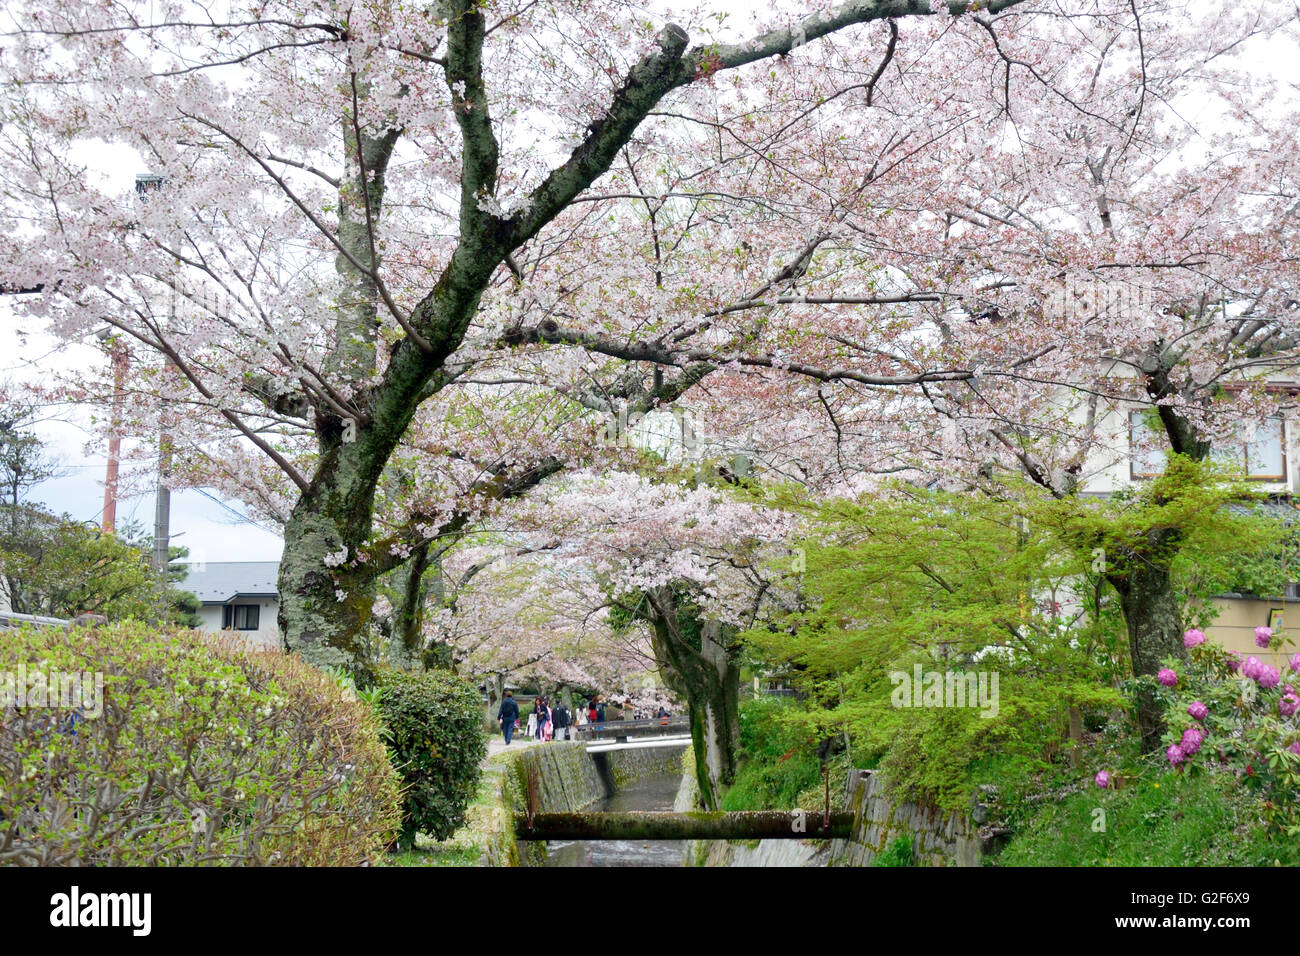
x: 1193, y: 638
x: 1192, y: 739
x: 1295, y: 747
x: 1263, y: 635
x: 1167, y: 677
x: 1268, y: 676
x: 1288, y: 705
x: 1176, y: 754
x: 1102, y: 779
x: 1295, y: 662
x: 1251, y: 668
x: 1198, y: 710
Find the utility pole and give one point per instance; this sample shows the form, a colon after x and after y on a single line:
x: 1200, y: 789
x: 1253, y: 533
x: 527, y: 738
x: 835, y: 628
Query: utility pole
x: 145, y: 184
x: 118, y: 357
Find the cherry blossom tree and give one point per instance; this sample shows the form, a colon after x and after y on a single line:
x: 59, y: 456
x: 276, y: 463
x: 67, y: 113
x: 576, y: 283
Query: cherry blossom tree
x: 434, y: 154
x: 1079, y: 243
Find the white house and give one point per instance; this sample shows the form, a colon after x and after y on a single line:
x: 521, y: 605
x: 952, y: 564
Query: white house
x: 238, y: 596
x: 1267, y: 455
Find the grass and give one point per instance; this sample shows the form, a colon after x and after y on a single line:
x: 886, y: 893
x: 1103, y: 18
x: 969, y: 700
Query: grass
x: 1205, y: 819
x: 465, y: 846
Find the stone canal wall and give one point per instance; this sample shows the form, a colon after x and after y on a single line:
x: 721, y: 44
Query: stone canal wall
x: 937, y: 839
x: 568, y: 780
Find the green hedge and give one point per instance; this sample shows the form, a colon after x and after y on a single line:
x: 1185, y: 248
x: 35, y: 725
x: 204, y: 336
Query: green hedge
x: 204, y: 753
x: 434, y: 728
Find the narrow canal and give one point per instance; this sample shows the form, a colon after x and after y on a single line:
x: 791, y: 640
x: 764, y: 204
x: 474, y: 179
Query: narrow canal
x: 655, y: 792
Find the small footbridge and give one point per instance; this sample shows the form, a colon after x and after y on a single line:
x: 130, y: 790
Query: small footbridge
x: 608, y: 735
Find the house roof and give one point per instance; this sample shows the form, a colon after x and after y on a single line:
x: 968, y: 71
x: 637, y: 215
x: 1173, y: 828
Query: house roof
x: 1283, y: 511
x: 220, y: 582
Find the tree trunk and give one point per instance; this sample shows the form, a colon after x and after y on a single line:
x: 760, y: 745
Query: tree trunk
x: 1154, y: 618
x: 407, y: 648
x: 741, y: 825
x: 709, y: 678
x: 326, y: 595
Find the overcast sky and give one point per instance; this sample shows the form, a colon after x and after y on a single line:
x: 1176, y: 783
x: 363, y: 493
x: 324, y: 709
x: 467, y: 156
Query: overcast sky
x: 213, y: 529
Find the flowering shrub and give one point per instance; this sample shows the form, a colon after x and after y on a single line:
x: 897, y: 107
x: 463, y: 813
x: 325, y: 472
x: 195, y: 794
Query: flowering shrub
x: 203, y: 754
x: 1229, y: 716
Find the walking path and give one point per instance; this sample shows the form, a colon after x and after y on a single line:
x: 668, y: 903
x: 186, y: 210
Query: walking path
x: 498, y: 744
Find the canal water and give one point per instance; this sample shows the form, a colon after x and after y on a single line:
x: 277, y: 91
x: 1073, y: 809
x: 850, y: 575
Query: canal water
x: 655, y: 792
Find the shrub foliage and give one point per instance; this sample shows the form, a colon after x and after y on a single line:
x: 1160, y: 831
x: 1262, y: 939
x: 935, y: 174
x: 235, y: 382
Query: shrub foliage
x: 434, y: 727
x: 204, y: 753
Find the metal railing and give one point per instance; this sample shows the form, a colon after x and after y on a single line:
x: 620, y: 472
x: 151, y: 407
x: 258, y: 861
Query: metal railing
x: 10, y: 621
x: 618, y: 729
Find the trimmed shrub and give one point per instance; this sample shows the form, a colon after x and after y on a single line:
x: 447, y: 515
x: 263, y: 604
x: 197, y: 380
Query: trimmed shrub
x: 204, y: 753
x: 433, y: 722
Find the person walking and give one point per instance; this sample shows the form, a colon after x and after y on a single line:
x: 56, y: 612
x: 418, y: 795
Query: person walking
x: 531, y: 729
x: 539, y: 718
x: 507, y: 715
x: 561, y: 719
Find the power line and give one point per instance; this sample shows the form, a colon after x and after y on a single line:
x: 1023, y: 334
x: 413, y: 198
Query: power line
x: 243, y: 518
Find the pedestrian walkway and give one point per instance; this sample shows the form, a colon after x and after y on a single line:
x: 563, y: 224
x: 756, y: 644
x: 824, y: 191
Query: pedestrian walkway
x: 497, y: 744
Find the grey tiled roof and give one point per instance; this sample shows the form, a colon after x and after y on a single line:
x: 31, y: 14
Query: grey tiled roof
x: 216, y: 582
x: 1281, y: 510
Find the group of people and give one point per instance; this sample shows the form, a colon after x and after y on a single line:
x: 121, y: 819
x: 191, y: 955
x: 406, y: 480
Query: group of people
x: 547, y: 722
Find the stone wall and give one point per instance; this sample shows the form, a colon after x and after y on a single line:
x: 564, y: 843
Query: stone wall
x: 568, y: 780
x: 938, y: 839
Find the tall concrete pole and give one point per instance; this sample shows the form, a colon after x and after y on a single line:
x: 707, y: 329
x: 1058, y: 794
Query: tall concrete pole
x: 108, y: 522
x: 145, y: 184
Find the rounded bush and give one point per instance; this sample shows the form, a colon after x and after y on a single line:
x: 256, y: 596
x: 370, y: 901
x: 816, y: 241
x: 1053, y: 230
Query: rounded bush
x: 434, y: 727
x: 200, y: 753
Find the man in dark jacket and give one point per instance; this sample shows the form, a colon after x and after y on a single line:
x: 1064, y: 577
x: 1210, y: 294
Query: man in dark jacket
x: 560, y: 721
x: 507, y: 715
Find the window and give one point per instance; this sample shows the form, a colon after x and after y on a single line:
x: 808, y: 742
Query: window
x: 1263, y: 459
x: 1148, y: 447
x: 1266, y: 455
x: 240, y: 617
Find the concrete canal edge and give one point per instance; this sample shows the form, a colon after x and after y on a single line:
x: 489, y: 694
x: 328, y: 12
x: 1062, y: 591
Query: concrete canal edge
x: 568, y: 780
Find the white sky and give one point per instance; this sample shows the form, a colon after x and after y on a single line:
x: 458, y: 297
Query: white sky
x: 211, y: 529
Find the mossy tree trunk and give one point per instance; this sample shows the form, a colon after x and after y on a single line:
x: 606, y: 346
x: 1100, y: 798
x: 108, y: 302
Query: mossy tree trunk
x: 1153, y: 614
x: 697, y: 660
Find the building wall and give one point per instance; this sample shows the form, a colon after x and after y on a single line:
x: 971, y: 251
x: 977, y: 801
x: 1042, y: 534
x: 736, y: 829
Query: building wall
x: 1235, y: 627
x: 1108, y: 468
x: 267, y: 635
